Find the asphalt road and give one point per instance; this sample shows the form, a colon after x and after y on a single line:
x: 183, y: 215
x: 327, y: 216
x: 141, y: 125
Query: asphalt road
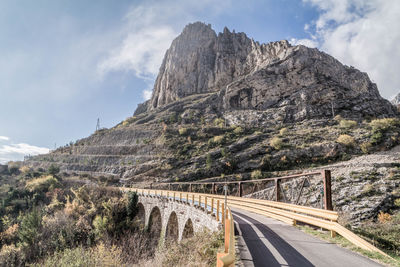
x: 267, y: 242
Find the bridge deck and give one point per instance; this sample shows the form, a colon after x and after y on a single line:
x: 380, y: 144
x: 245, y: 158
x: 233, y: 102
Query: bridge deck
x: 268, y: 242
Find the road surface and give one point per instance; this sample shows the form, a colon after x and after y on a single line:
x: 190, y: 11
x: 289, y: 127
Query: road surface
x: 267, y: 242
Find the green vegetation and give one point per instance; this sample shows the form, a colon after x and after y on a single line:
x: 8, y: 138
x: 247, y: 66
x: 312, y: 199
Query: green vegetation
x: 346, y: 140
x: 347, y: 124
x: 256, y: 174
x: 276, y: 143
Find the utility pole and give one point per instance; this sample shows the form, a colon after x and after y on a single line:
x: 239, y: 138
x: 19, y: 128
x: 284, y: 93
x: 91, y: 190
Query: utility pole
x: 98, y: 124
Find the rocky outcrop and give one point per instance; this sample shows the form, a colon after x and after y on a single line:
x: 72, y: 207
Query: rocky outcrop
x: 396, y: 100
x: 300, y: 82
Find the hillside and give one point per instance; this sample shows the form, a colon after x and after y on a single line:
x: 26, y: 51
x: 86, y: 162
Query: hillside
x: 225, y: 105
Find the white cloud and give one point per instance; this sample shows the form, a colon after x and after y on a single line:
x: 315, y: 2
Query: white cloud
x: 18, y: 151
x: 4, y: 138
x: 363, y: 34
x: 146, y: 94
x: 305, y: 42
x: 148, y: 33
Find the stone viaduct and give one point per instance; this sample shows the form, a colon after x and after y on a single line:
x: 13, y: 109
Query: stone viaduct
x: 172, y: 219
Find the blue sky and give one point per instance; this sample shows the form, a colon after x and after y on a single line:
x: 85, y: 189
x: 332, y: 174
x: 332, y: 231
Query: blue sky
x: 66, y: 63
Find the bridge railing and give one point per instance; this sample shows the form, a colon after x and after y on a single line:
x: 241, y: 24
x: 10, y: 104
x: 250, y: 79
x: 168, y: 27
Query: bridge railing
x: 227, y: 257
x: 286, y: 212
x: 317, y: 184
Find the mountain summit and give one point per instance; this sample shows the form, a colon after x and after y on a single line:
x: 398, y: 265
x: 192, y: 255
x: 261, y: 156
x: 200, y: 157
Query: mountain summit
x: 295, y: 82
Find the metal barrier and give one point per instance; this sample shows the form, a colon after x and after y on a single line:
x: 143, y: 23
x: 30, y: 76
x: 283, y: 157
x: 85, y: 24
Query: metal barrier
x: 227, y: 258
x: 288, y: 213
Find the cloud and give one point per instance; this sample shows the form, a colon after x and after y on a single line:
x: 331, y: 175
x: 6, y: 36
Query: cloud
x: 146, y: 94
x: 4, y: 138
x: 18, y: 151
x: 305, y: 42
x: 363, y: 34
x: 148, y: 32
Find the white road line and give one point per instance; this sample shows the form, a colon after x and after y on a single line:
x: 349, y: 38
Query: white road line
x: 271, y: 248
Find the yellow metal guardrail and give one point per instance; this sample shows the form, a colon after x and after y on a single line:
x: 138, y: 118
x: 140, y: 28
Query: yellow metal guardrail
x: 288, y: 213
x: 227, y: 258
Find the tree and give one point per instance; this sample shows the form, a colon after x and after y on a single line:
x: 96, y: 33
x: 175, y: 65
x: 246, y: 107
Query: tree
x: 53, y: 169
x: 132, y: 207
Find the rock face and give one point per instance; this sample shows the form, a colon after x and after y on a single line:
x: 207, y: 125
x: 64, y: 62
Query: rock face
x: 300, y: 82
x: 396, y: 100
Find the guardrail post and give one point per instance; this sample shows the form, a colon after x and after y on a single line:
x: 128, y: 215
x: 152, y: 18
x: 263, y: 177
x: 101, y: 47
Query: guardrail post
x: 180, y: 196
x: 223, y: 213
x: 240, y: 189
x: 205, y: 204
x: 174, y: 196
x: 212, y: 205
x: 277, y: 189
x: 217, y: 210
x: 326, y: 176
x: 190, y: 187
x: 187, y: 198
x: 199, y: 201
x: 193, y: 200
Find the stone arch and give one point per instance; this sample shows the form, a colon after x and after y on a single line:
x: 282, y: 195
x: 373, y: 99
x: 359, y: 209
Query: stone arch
x: 155, y: 222
x: 188, y: 230
x: 141, y: 215
x: 172, y: 231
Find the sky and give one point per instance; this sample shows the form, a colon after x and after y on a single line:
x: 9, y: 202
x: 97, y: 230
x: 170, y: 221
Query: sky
x: 64, y: 64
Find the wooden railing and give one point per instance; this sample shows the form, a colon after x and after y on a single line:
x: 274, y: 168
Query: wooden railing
x: 227, y: 257
x: 288, y: 213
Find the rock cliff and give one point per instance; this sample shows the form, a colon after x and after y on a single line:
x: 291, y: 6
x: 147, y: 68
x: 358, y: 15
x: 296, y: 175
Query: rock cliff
x: 295, y: 82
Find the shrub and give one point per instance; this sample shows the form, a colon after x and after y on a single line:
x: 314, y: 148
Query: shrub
x: 11, y: 256
x: 347, y: 124
x: 53, y: 169
x: 365, y: 147
x: 346, y: 140
x: 100, y: 226
x: 238, y: 130
x: 397, y: 202
x: 256, y: 174
x: 384, y: 124
x: 100, y: 255
x: 208, y: 161
x: 183, y: 131
x: 24, y: 169
x: 42, y: 184
x: 30, y: 226
x: 283, y: 131
x: 276, y: 143
x: 219, y: 139
x: 384, y: 217
x: 220, y: 122
x: 131, y: 207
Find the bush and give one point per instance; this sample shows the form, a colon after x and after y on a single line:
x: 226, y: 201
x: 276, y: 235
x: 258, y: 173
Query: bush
x: 365, y: 147
x: 11, y: 256
x: 132, y: 208
x: 220, y: 122
x: 42, y: 184
x: 283, y: 131
x: 183, y: 131
x: 384, y: 124
x: 30, y: 227
x: 97, y: 256
x: 208, y: 161
x: 346, y: 140
x: 53, y: 169
x: 347, y: 124
x: 219, y: 139
x: 238, y: 130
x: 256, y: 174
x: 384, y: 217
x: 276, y: 143
x: 100, y: 226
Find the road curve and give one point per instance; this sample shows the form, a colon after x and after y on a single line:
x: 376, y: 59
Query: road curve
x: 264, y: 241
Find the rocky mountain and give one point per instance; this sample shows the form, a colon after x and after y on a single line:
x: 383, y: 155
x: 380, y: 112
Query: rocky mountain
x: 396, y: 100
x: 292, y: 82
x: 225, y: 105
